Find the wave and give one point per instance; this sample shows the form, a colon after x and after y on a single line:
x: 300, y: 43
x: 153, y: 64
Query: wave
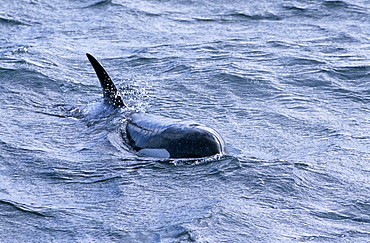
x: 37, y: 211
x: 11, y: 21
x: 352, y: 73
x: 236, y: 17
x: 241, y: 16
x: 350, y: 82
x: 324, y: 9
x: 96, y: 3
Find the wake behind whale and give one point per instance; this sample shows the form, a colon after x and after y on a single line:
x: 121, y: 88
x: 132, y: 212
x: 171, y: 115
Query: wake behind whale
x: 158, y: 136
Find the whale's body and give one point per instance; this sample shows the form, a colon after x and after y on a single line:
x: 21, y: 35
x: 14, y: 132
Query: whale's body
x: 158, y: 136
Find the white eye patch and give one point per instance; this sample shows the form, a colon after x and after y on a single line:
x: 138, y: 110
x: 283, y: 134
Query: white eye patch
x: 156, y: 153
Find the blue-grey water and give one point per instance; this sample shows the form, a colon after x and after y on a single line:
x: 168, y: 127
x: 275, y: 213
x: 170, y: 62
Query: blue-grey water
x: 286, y: 83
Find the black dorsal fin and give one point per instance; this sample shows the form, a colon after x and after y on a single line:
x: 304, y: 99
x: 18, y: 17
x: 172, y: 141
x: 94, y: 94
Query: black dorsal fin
x: 111, y: 94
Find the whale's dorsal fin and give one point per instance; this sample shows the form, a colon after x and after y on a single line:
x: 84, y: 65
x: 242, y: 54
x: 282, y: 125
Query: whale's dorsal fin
x: 111, y: 94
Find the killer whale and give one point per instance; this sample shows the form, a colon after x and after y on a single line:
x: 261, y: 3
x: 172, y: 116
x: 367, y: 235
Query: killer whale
x: 158, y: 136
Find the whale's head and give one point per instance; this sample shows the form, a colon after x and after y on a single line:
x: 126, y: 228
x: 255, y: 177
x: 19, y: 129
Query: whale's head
x: 158, y: 136
x: 192, y: 141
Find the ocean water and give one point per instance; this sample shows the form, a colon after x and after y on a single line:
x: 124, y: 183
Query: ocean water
x: 286, y: 83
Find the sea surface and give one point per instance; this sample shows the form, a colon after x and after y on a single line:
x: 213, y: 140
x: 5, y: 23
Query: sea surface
x: 286, y: 83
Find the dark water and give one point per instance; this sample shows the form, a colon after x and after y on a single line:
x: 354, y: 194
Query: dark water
x: 286, y: 83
